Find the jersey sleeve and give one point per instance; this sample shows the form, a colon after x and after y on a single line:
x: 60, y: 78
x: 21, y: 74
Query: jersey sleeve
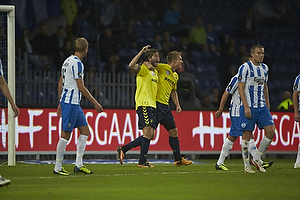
x: 242, y: 73
x: 143, y: 70
x: 233, y: 85
x: 296, y: 86
x: 78, y: 70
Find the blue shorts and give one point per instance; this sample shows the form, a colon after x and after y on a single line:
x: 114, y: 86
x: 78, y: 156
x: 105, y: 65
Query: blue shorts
x: 234, y: 128
x: 260, y: 116
x: 164, y: 116
x: 146, y: 116
x: 72, y: 117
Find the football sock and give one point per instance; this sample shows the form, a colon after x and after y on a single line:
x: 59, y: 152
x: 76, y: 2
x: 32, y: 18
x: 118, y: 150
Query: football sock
x: 81, y: 144
x: 144, y: 150
x: 263, y: 146
x: 174, y: 144
x: 253, y: 149
x: 132, y: 144
x: 245, y: 152
x: 60, y: 151
x: 226, y: 148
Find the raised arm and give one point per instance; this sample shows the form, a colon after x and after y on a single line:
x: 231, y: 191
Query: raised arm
x: 133, y: 63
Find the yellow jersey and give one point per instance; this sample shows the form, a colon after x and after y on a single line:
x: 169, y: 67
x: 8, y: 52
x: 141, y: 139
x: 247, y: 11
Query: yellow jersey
x: 146, y: 87
x: 167, y: 81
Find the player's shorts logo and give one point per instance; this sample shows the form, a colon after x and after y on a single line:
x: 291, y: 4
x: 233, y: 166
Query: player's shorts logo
x: 69, y: 124
x: 243, y: 125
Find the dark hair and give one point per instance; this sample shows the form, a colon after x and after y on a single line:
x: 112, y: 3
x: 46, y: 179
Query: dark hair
x: 246, y: 57
x: 150, y: 53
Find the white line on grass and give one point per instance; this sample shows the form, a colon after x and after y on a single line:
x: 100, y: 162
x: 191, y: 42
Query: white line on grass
x: 126, y: 174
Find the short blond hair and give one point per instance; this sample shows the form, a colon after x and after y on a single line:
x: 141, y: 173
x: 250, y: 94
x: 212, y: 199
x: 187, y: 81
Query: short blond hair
x: 173, y: 55
x: 256, y: 46
x: 81, y: 44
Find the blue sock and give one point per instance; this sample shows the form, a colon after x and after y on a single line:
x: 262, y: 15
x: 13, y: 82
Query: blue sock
x: 132, y: 144
x: 174, y: 144
x: 145, y: 143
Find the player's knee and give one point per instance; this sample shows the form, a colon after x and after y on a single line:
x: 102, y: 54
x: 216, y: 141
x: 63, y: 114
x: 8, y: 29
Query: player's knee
x: 173, y: 132
x: 65, y: 135
x: 270, y: 132
x: 148, y: 132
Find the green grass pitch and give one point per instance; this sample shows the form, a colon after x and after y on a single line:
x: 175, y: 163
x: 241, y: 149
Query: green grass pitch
x: 164, y: 181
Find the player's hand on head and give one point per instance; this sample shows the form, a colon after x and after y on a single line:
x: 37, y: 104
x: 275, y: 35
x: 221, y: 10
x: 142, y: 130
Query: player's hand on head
x: 146, y: 48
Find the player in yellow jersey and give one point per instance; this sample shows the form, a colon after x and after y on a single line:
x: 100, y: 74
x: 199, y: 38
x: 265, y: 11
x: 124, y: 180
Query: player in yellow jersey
x: 145, y: 100
x: 167, y: 85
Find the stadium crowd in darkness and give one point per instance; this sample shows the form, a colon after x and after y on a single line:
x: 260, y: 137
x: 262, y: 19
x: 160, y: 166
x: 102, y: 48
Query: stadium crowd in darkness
x: 211, y: 34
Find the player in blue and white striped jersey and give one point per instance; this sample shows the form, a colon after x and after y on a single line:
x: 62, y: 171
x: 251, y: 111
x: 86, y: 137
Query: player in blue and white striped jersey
x: 296, y: 102
x: 253, y: 90
x: 70, y: 89
x: 234, y: 112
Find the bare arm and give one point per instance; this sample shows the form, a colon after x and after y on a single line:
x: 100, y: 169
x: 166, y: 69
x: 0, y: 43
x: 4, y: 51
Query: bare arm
x: 296, y: 108
x: 241, y: 88
x: 133, y: 63
x: 4, y: 88
x: 174, y: 97
x: 59, y: 88
x: 266, y: 93
x: 224, y: 98
x: 85, y: 92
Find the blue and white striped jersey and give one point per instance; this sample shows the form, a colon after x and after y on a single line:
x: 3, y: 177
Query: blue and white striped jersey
x: 296, y: 87
x: 254, y: 77
x: 235, y: 99
x: 1, y: 68
x: 72, y: 69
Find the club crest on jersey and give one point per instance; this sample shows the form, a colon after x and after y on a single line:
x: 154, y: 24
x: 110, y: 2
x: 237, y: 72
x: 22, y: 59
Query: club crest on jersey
x: 168, y: 72
x: 152, y: 73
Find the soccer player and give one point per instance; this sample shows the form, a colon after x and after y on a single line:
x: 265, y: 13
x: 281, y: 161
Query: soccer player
x: 234, y: 118
x: 145, y: 103
x: 70, y: 89
x: 167, y: 85
x: 296, y: 102
x: 4, y: 88
x: 253, y: 90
